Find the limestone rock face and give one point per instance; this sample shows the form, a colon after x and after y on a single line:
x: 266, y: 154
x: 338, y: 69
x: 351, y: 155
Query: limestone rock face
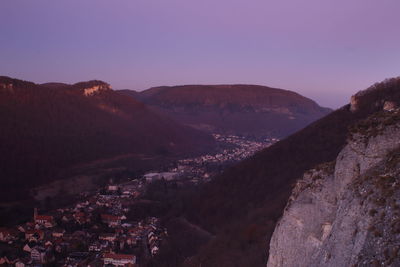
x: 92, y: 90
x: 386, y: 100
x: 307, y: 220
x: 92, y: 87
x: 389, y: 106
x: 346, y: 213
x: 353, y: 103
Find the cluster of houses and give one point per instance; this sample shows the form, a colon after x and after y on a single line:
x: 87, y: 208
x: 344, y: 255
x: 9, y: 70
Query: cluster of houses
x: 242, y: 147
x: 97, y: 230
x: 198, y: 169
x: 93, y: 232
x: 154, y: 176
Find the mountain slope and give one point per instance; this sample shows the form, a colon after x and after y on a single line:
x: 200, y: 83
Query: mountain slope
x: 234, y: 109
x: 347, y: 214
x: 242, y: 206
x: 132, y: 93
x: 47, y: 129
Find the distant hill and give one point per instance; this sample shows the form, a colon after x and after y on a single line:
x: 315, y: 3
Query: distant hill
x: 248, y: 110
x: 56, y: 85
x: 49, y: 128
x: 242, y: 205
x: 131, y: 93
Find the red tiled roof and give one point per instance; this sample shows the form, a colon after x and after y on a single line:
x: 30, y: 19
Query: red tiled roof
x: 118, y: 256
x: 31, y: 232
x: 44, y: 217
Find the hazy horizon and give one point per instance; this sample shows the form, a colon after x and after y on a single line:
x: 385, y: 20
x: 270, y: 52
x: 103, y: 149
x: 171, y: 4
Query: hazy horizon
x: 326, y: 51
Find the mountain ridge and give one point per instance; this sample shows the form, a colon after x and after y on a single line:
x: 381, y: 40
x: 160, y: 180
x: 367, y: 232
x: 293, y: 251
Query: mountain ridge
x: 49, y: 128
x: 242, y: 205
x: 234, y: 109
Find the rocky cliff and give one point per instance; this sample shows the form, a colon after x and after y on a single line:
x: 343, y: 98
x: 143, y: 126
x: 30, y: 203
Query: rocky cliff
x: 346, y: 212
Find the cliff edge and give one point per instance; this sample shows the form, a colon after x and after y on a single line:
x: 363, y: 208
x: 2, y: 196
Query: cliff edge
x: 347, y: 212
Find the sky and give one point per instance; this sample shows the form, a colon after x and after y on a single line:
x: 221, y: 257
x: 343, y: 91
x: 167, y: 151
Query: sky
x: 323, y: 49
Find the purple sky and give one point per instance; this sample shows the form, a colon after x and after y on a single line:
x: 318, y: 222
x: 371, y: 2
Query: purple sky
x: 324, y: 49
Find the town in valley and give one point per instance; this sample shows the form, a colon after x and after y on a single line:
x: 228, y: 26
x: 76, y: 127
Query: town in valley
x: 100, y: 228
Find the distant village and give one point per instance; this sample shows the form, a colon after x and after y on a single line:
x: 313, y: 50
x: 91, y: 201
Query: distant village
x: 97, y: 230
x: 202, y: 169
